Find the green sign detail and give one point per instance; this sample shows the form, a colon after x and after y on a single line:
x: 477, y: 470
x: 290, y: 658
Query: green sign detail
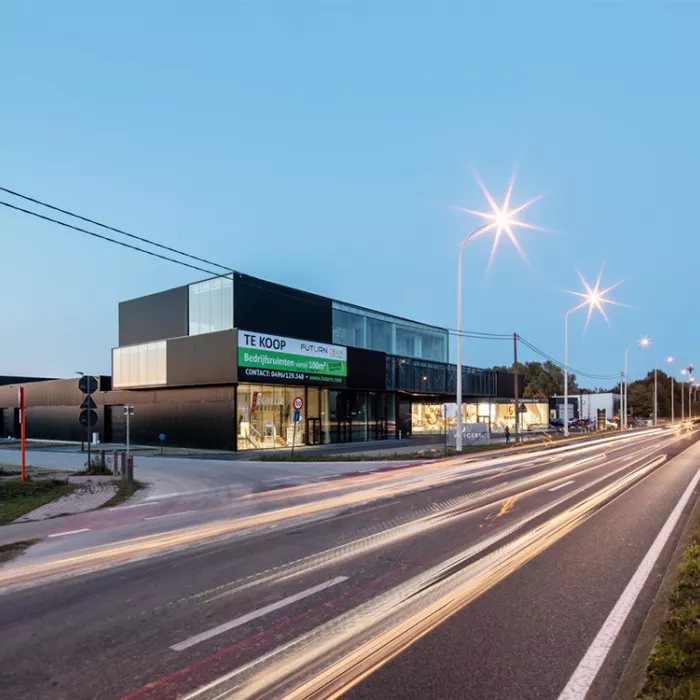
x: 273, y: 359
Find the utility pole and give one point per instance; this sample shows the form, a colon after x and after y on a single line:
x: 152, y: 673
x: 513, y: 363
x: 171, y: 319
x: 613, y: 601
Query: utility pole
x: 682, y: 403
x: 89, y: 426
x: 622, y: 400
x: 656, y: 412
x: 515, y: 385
x: 672, y: 406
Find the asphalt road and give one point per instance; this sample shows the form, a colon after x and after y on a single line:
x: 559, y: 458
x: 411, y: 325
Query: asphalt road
x: 478, y: 578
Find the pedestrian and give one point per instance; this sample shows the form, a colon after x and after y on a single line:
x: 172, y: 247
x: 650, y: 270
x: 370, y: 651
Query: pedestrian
x: 507, y: 435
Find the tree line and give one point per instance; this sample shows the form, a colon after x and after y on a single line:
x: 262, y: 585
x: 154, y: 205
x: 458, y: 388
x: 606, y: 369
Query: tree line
x: 542, y: 379
x: 545, y: 379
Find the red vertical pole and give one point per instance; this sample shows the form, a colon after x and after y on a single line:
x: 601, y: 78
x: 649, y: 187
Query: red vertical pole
x: 23, y: 433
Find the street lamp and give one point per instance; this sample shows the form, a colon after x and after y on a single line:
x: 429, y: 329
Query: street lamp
x: 643, y: 342
x: 683, y: 372
x: 669, y: 359
x: 502, y: 220
x: 593, y: 298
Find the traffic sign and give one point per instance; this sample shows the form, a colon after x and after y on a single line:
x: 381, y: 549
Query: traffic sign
x: 161, y: 437
x: 297, y: 416
x: 87, y: 384
x: 88, y: 418
x: 298, y: 403
x: 88, y: 403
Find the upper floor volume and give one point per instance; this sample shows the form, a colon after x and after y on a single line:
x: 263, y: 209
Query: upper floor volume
x: 240, y: 301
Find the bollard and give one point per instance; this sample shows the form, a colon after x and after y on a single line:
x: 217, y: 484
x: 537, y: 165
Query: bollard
x: 123, y: 461
x: 130, y: 470
x: 115, y: 462
x: 102, y: 459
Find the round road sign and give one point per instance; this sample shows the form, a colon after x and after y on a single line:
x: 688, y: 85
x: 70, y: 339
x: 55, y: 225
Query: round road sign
x: 161, y: 437
x: 298, y: 403
x: 88, y: 418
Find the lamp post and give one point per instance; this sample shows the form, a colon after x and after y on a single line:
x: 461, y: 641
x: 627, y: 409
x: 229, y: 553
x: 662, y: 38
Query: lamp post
x: 476, y: 231
x: 690, y: 396
x: 683, y: 372
x: 642, y: 343
x: 669, y: 359
x: 566, y: 368
x: 593, y: 298
x: 502, y: 219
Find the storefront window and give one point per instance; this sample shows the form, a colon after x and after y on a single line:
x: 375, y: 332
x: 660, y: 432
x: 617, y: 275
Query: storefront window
x: 266, y: 417
x: 427, y: 418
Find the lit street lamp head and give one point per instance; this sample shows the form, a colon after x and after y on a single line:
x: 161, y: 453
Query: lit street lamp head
x: 502, y: 218
x: 594, y: 298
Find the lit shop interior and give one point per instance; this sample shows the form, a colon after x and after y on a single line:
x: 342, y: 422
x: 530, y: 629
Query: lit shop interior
x: 266, y: 416
x: 430, y: 418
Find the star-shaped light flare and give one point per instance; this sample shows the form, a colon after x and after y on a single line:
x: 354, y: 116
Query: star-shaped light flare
x: 594, y: 298
x: 502, y: 218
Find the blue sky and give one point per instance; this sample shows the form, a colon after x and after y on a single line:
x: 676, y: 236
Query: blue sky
x: 324, y: 143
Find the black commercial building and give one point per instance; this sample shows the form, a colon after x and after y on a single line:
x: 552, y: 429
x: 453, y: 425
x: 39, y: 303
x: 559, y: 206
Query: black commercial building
x: 236, y: 363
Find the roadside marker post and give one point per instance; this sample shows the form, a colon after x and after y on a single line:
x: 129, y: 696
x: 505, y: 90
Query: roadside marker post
x: 129, y: 474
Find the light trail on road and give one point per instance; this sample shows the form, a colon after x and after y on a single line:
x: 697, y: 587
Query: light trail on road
x: 339, y: 495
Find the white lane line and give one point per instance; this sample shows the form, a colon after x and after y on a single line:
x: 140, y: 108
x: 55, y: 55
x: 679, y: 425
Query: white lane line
x: 561, y: 486
x: 169, y: 515
x: 136, y: 505
x: 585, y: 673
x: 237, y: 622
x: 70, y: 532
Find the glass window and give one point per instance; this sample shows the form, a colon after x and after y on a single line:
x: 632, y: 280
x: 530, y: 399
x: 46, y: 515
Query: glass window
x: 380, y: 335
x: 363, y: 328
x: 348, y: 329
x: 211, y: 306
x: 434, y: 347
x: 139, y: 365
x: 266, y: 416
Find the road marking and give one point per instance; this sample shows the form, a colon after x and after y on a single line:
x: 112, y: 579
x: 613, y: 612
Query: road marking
x: 237, y: 622
x: 585, y: 673
x: 70, y: 532
x: 169, y: 515
x: 136, y: 505
x: 561, y: 486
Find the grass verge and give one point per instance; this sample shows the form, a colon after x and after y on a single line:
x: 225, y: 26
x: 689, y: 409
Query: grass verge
x: 124, y: 492
x: 18, y: 497
x: 10, y: 551
x: 674, y: 667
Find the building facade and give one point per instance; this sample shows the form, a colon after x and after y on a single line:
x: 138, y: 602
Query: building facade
x: 239, y: 363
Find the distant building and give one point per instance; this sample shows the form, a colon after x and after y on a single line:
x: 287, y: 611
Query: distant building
x: 5, y: 380
x: 586, y: 406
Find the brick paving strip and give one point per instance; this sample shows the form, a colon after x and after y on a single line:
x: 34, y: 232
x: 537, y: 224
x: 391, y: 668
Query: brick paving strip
x: 91, y: 493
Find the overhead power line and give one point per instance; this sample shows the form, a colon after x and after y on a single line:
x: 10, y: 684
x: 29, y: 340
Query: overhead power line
x: 106, y: 238
x: 112, y: 228
x: 474, y: 335
x: 563, y: 366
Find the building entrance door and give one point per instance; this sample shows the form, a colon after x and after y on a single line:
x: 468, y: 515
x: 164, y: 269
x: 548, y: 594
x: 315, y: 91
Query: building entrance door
x: 313, y: 426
